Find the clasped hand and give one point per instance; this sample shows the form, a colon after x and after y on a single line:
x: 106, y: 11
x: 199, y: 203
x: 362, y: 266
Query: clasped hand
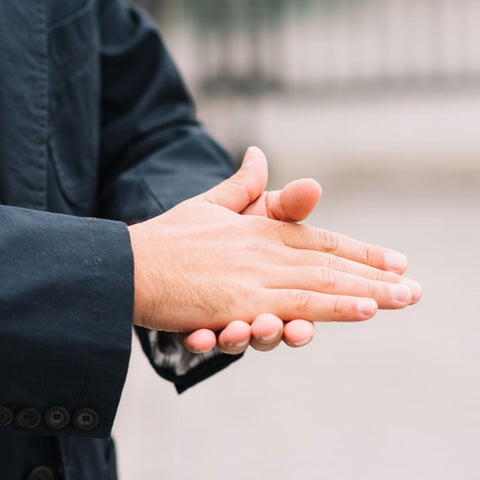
x: 233, y: 267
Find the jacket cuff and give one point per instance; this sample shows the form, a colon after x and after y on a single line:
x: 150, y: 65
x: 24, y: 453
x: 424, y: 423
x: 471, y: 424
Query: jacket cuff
x: 112, y: 314
x: 66, y: 306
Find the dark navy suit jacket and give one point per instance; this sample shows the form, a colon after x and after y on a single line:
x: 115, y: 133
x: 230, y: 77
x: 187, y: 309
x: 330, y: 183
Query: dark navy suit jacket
x: 96, y: 131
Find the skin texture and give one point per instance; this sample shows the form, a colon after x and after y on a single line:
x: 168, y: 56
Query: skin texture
x: 219, y: 261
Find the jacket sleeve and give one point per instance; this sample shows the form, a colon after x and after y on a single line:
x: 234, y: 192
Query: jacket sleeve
x: 66, y: 302
x: 154, y: 153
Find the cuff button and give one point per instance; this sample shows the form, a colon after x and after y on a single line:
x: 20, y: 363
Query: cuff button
x: 6, y: 416
x: 41, y: 473
x: 28, y: 418
x: 56, y: 418
x: 85, y: 419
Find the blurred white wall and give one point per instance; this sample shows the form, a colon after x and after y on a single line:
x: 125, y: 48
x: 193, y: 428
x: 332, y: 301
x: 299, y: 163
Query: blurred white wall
x: 340, y: 86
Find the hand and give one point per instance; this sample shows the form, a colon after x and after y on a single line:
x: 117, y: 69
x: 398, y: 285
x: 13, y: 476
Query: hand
x: 293, y: 203
x: 202, y: 264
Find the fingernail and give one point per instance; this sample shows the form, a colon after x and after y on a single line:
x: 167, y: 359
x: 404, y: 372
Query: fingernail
x: 269, y: 338
x: 239, y: 345
x: 367, y: 307
x: 414, y: 286
x: 400, y: 293
x: 302, y: 343
x: 396, y: 262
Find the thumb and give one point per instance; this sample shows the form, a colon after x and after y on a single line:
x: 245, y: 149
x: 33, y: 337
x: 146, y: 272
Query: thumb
x: 244, y: 187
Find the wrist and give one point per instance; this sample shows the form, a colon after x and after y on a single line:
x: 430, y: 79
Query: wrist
x: 141, y: 298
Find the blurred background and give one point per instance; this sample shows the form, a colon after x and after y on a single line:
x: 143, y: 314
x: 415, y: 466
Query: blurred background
x: 379, y: 100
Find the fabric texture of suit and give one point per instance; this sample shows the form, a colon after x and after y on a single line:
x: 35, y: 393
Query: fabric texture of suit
x: 96, y: 131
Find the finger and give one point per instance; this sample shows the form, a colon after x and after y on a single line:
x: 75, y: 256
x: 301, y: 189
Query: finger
x: 292, y: 304
x: 244, y: 187
x: 325, y: 280
x: 310, y: 238
x: 267, y: 332
x: 299, y: 257
x: 298, y: 333
x: 311, y: 258
x: 293, y: 203
x: 199, y: 341
x: 235, y: 337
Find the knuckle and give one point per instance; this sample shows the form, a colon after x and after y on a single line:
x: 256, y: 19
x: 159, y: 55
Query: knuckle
x: 303, y: 301
x: 238, y: 186
x: 328, y: 279
x: 328, y: 241
x: 372, y: 289
x: 367, y: 254
x: 334, y: 263
x: 380, y: 276
x: 266, y: 225
x: 339, y: 306
x: 259, y: 246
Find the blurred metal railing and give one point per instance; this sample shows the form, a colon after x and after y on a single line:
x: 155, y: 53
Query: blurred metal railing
x: 249, y: 46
